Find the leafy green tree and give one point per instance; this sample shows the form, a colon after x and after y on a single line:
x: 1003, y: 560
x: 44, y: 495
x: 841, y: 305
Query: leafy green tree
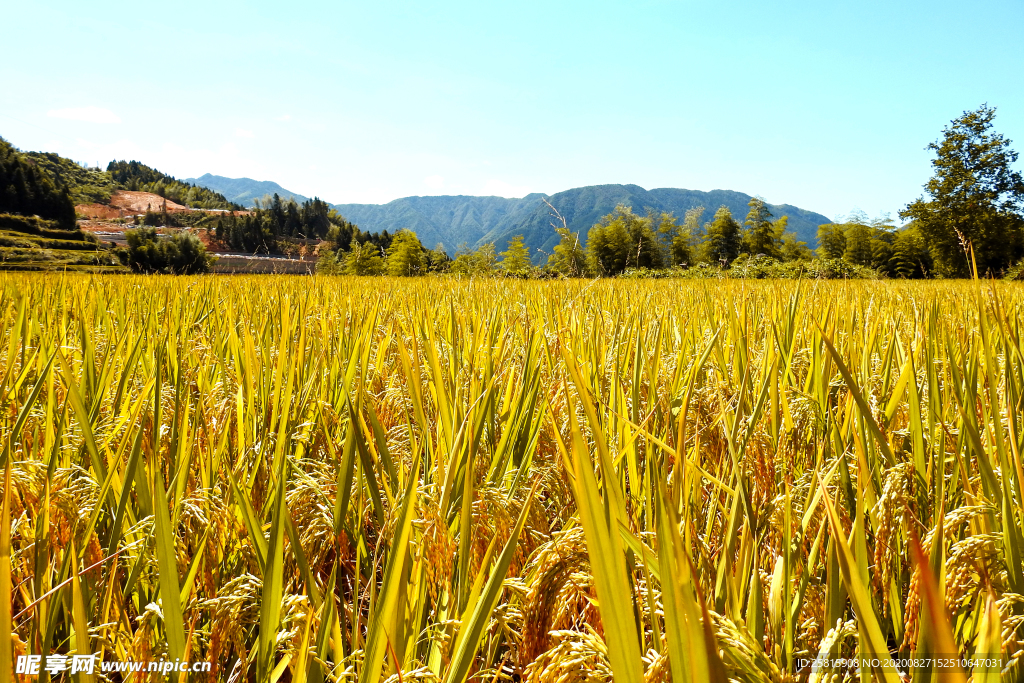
x: 569, y: 256
x: 858, y: 240
x: 976, y: 198
x: 463, y: 262
x: 723, y: 241
x: 623, y: 240
x: 186, y: 254
x: 858, y: 245
x: 686, y: 241
x: 481, y: 261
x: 516, y: 258
x: 607, y: 249
x: 793, y: 249
x: 910, y: 256
x: 144, y: 255
x: 666, y: 227
x: 364, y: 259
x: 485, y: 259
x: 760, y: 235
x: 883, y: 222
x: 180, y: 254
x: 150, y: 218
x: 831, y: 240
x: 438, y: 259
x: 405, y: 255
x: 881, y: 250
x: 645, y: 249
x: 328, y: 264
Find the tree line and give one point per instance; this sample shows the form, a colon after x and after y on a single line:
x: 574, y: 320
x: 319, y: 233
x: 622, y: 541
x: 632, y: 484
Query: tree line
x: 621, y: 243
x: 274, y: 224
x: 401, y: 255
x: 625, y: 241
x: 970, y: 221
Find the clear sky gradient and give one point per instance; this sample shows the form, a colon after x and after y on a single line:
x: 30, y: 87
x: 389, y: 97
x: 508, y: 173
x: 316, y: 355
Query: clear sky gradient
x: 825, y: 105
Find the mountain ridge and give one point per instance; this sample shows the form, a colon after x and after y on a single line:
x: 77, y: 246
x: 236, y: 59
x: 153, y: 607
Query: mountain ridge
x: 471, y: 220
x: 244, y: 190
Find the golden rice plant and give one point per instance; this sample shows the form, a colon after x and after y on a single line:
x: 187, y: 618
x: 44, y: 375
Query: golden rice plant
x: 345, y: 479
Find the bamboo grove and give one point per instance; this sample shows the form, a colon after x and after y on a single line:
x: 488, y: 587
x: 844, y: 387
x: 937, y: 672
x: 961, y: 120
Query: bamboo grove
x: 363, y: 479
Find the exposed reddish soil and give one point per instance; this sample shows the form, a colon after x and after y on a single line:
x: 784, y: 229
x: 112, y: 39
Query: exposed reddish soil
x: 129, y: 203
x: 139, y: 202
x: 94, y: 225
x: 99, y: 211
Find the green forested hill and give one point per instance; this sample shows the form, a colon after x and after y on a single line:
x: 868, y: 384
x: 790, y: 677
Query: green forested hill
x: 29, y: 190
x: 86, y: 185
x: 454, y: 220
x: 37, y: 218
x: 449, y: 220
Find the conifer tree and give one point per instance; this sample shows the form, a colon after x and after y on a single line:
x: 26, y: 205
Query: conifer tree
x: 292, y: 219
x: 28, y: 190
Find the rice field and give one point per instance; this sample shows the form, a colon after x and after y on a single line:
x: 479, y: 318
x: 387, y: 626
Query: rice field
x: 367, y: 479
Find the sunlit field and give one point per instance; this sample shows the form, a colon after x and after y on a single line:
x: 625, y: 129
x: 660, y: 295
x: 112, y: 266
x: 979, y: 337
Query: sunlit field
x: 342, y: 479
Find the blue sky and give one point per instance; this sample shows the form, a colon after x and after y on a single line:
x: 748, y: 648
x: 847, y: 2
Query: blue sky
x: 824, y: 105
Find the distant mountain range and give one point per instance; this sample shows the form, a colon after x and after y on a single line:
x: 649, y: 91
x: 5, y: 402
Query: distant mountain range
x: 457, y: 220
x: 243, y: 191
